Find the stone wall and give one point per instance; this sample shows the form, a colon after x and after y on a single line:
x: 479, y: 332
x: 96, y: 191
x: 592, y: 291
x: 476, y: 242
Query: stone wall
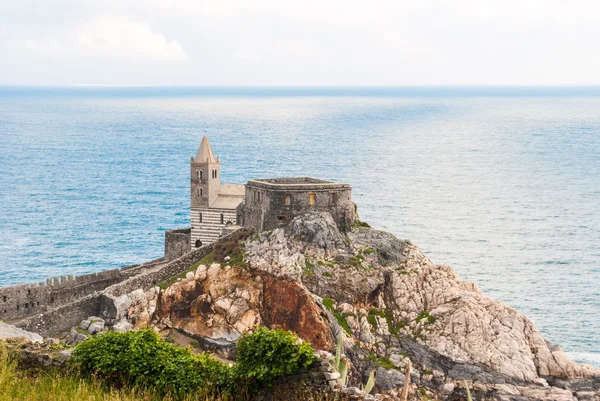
x: 266, y: 207
x: 96, y: 295
x: 177, y: 243
x: 62, y: 318
x: 29, y: 299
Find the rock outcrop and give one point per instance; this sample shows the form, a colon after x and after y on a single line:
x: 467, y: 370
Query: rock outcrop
x: 396, y: 303
x: 392, y: 301
x: 8, y: 331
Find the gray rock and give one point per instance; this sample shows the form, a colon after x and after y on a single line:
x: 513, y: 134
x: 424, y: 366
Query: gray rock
x: 96, y: 327
x: 65, y: 355
x: 75, y: 337
x: 122, y: 304
x: 331, y: 376
x: 123, y: 326
x: 9, y: 331
x: 388, y: 379
x: 85, y: 324
x: 448, y: 388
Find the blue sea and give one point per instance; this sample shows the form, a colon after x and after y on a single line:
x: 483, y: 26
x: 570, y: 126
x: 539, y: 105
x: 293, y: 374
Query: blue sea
x: 503, y: 184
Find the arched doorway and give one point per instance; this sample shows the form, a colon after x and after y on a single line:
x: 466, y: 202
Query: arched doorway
x: 198, y: 243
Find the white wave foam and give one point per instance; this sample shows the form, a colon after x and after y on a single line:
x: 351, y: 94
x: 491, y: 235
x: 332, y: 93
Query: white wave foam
x: 592, y: 358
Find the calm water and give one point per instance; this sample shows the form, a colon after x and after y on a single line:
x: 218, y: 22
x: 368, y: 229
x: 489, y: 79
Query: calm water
x: 504, y: 187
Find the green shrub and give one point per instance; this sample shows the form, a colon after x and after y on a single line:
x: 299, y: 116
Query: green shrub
x: 265, y: 355
x: 232, y: 247
x: 142, y: 359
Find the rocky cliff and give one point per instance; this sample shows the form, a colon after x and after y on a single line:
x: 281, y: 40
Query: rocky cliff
x: 392, y: 302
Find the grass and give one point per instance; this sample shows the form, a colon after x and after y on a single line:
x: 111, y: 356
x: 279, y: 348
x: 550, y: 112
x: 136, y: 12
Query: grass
x: 16, y: 385
x: 393, y: 328
x: 172, y: 280
x: 53, y: 385
x: 341, y: 319
x: 309, y: 268
x: 426, y: 316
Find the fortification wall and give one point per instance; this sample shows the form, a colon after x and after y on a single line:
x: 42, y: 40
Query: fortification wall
x: 177, y: 243
x: 23, y: 300
x: 20, y: 301
x: 151, y: 278
x: 62, y: 318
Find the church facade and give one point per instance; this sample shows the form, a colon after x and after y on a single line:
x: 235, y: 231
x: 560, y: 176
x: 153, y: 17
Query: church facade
x: 261, y: 204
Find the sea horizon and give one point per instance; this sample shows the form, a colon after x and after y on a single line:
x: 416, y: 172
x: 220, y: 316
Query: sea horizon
x: 135, y: 90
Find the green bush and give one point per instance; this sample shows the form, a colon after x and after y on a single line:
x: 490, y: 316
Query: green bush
x: 265, y: 355
x: 142, y: 359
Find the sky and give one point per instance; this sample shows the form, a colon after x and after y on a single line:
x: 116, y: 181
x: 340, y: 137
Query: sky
x: 297, y: 43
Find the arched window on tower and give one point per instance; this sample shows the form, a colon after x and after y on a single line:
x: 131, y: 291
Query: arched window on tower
x: 199, y: 174
x: 200, y: 192
x: 222, y: 219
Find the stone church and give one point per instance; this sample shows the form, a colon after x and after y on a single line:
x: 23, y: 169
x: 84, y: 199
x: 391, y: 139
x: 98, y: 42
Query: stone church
x: 261, y: 204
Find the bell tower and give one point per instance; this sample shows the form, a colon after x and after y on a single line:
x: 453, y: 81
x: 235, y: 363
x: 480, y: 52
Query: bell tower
x: 205, y: 177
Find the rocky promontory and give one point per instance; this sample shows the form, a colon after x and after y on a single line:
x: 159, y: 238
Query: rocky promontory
x: 390, y: 301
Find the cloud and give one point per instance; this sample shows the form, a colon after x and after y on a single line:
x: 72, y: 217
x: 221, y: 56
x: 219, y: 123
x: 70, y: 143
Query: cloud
x: 309, y: 42
x: 111, y: 37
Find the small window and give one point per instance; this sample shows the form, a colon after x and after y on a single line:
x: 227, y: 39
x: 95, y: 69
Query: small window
x: 52, y: 300
x: 199, y: 174
x: 200, y: 192
x: 26, y: 305
x: 200, y: 215
x: 258, y: 194
x: 198, y: 243
x: 3, y: 298
x: 288, y: 199
x: 332, y: 198
x: 28, y: 292
x: 222, y: 219
x: 283, y: 218
x: 17, y: 307
x: 312, y: 198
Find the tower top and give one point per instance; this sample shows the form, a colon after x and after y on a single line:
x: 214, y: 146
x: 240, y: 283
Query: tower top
x: 205, y: 153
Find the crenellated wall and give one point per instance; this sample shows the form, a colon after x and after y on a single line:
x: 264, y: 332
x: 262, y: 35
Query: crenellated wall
x: 60, y: 318
x: 24, y: 300
x: 20, y: 301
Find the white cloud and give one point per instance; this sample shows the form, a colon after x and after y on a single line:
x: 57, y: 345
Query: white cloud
x: 112, y: 37
x: 309, y: 42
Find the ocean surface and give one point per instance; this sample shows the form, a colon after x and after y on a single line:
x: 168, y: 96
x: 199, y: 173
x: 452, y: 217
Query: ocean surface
x: 501, y: 184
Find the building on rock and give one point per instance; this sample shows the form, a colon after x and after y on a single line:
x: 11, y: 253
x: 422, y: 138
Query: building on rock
x: 262, y: 204
x: 273, y: 202
x: 213, y: 205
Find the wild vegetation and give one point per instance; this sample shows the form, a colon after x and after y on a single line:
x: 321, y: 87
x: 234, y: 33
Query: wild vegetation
x: 139, y: 365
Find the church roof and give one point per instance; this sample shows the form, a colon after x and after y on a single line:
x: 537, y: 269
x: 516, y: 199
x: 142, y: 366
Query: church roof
x: 205, y: 153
